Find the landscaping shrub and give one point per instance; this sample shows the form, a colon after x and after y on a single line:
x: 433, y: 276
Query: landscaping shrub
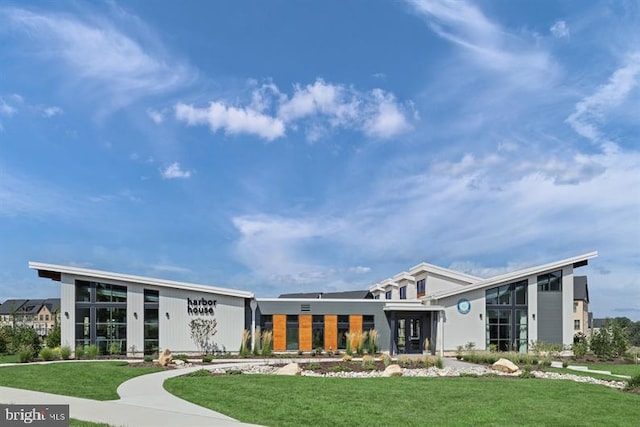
x: 6, y: 336
x: 347, y: 358
x: 244, y: 343
x: 633, y: 383
x: 200, y: 373
x: 601, y: 344
x: 314, y: 366
x: 439, y: 362
x: 92, y: 351
x: 148, y: 359
x: 231, y: 371
x: 114, y: 348
x: 526, y: 372
x: 47, y: 354
x: 368, y: 362
x: 25, y: 336
x: 65, y: 352
x: 25, y: 354
x: 266, y: 343
x: 180, y: 356
x: 372, y: 342
x: 80, y: 352
x: 340, y: 368
x: 53, y: 339
x: 580, y: 345
x: 386, y: 359
x: 429, y: 361
x: 207, y: 358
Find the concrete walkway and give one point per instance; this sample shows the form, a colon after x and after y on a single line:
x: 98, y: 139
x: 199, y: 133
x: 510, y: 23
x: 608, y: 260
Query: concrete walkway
x: 557, y: 364
x: 143, y: 403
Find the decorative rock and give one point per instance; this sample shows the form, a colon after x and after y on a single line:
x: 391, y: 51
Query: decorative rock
x: 178, y: 362
x: 290, y: 369
x: 165, y: 357
x: 392, y: 371
x: 505, y: 365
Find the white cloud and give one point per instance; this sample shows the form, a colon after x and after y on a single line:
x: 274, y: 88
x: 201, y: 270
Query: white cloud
x: 560, y: 29
x: 359, y: 269
x: 591, y: 111
x: 489, y: 45
x: 156, y: 116
x: 173, y: 171
x: 51, y: 111
x: 233, y: 120
x: 318, y: 108
x: 6, y: 109
x: 97, y: 54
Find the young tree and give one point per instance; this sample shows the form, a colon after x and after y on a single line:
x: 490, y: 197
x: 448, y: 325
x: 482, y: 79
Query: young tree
x: 202, y: 330
x: 53, y: 339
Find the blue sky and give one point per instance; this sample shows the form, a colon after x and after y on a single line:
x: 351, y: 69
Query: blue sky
x: 279, y: 146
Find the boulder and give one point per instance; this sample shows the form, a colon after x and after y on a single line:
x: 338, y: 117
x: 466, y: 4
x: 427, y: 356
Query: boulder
x: 505, y: 365
x: 165, y: 357
x: 178, y: 362
x: 290, y: 369
x: 392, y: 371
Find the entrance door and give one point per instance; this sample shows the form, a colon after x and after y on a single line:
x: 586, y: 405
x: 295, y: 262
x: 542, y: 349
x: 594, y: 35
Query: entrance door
x: 409, y: 334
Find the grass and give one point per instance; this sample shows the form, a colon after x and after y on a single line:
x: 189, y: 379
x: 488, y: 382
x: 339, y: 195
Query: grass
x: 298, y: 401
x: 630, y: 369
x: 79, y: 423
x: 91, y: 380
x: 9, y: 358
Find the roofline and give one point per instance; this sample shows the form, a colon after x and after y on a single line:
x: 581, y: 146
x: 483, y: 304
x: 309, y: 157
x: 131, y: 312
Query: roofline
x: 323, y: 300
x: 423, y: 266
x: 85, y: 272
x: 515, y: 275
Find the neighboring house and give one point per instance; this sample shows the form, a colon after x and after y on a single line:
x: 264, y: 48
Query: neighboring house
x: 47, y: 315
x: 37, y: 313
x: 580, y: 305
x: 9, y: 312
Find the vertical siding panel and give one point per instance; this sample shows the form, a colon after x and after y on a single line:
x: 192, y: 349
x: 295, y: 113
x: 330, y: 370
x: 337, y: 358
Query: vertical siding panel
x: 279, y: 332
x: 330, y: 332
x: 304, y: 332
x: 355, y: 323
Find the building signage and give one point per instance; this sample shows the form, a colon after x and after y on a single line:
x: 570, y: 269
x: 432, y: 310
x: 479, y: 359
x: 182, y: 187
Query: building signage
x: 464, y: 306
x: 200, y: 306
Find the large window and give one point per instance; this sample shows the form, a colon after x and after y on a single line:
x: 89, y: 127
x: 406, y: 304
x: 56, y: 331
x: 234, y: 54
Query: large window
x: 292, y: 331
x: 551, y: 282
x: 403, y: 292
x: 387, y: 295
x: 421, y: 287
x: 343, y: 329
x: 506, y: 316
x: 101, y: 316
x: 317, y: 328
x: 151, y: 321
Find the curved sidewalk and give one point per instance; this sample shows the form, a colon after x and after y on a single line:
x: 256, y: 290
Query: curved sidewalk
x: 143, y: 403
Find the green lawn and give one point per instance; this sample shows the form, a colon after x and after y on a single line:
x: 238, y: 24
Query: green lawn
x: 9, y: 358
x: 630, y: 370
x: 79, y: 423
x: 91, y: 380
x: 300, y: 401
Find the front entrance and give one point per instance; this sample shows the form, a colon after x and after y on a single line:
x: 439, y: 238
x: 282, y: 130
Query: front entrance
x: 410, y: 332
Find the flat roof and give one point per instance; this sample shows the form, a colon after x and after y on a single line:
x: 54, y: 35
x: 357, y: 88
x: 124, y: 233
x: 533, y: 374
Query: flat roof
x: 53, y: 271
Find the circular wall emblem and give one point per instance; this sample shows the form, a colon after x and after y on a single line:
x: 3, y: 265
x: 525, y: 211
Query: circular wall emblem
x: 464, y: 306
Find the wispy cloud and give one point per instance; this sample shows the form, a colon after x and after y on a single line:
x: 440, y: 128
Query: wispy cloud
x: 97, y: 54
x: 591, y: 111
x: 156, y: 116
x: 489, y: 45
x: 173, y: 171
x: 51, y: 111
x: 318, y: 108
x: 6, y: 109
x: 560, y: 29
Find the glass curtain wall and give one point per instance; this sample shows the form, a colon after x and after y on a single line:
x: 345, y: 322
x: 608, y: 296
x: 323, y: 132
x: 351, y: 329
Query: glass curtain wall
x: 507, y: 328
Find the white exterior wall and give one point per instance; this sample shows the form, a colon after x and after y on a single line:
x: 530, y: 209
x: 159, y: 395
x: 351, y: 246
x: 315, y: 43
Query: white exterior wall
x: 67, y: 305
x: 532, y: 301
x: 459, y: 329
x: 135, y: 327
x: 411, y: 289
x: 567, y: 305
x: 436, y: 283
x: 175, y: 333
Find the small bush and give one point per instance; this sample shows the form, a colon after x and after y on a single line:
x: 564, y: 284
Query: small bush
x: 25, y: 337
x: 565, y: 364
x: 545, y: 363
x: 148, y: 359
x: 386, y: 359
x: 347, y: 358
x: 266, y: 343
x: 114, y: 348
x: 25, y: 355
x: 633, y: 383
x: 368, y: 362
x: 245, y: 339
x: 92, y: 351
x: 180, y: 356
x: 79, y: 352
x: 200, y: 373
x: 314, y: 366
x: 231, y: 371
x: 372, y: 342
x: 207, y: 358
x: 439, y: 362
x: 47, y: 354
x: 340, y: 368
x: 526, y: 373
x: 65, y: 352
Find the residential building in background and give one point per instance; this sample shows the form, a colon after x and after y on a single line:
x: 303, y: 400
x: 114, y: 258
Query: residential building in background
x: 39, y: 314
